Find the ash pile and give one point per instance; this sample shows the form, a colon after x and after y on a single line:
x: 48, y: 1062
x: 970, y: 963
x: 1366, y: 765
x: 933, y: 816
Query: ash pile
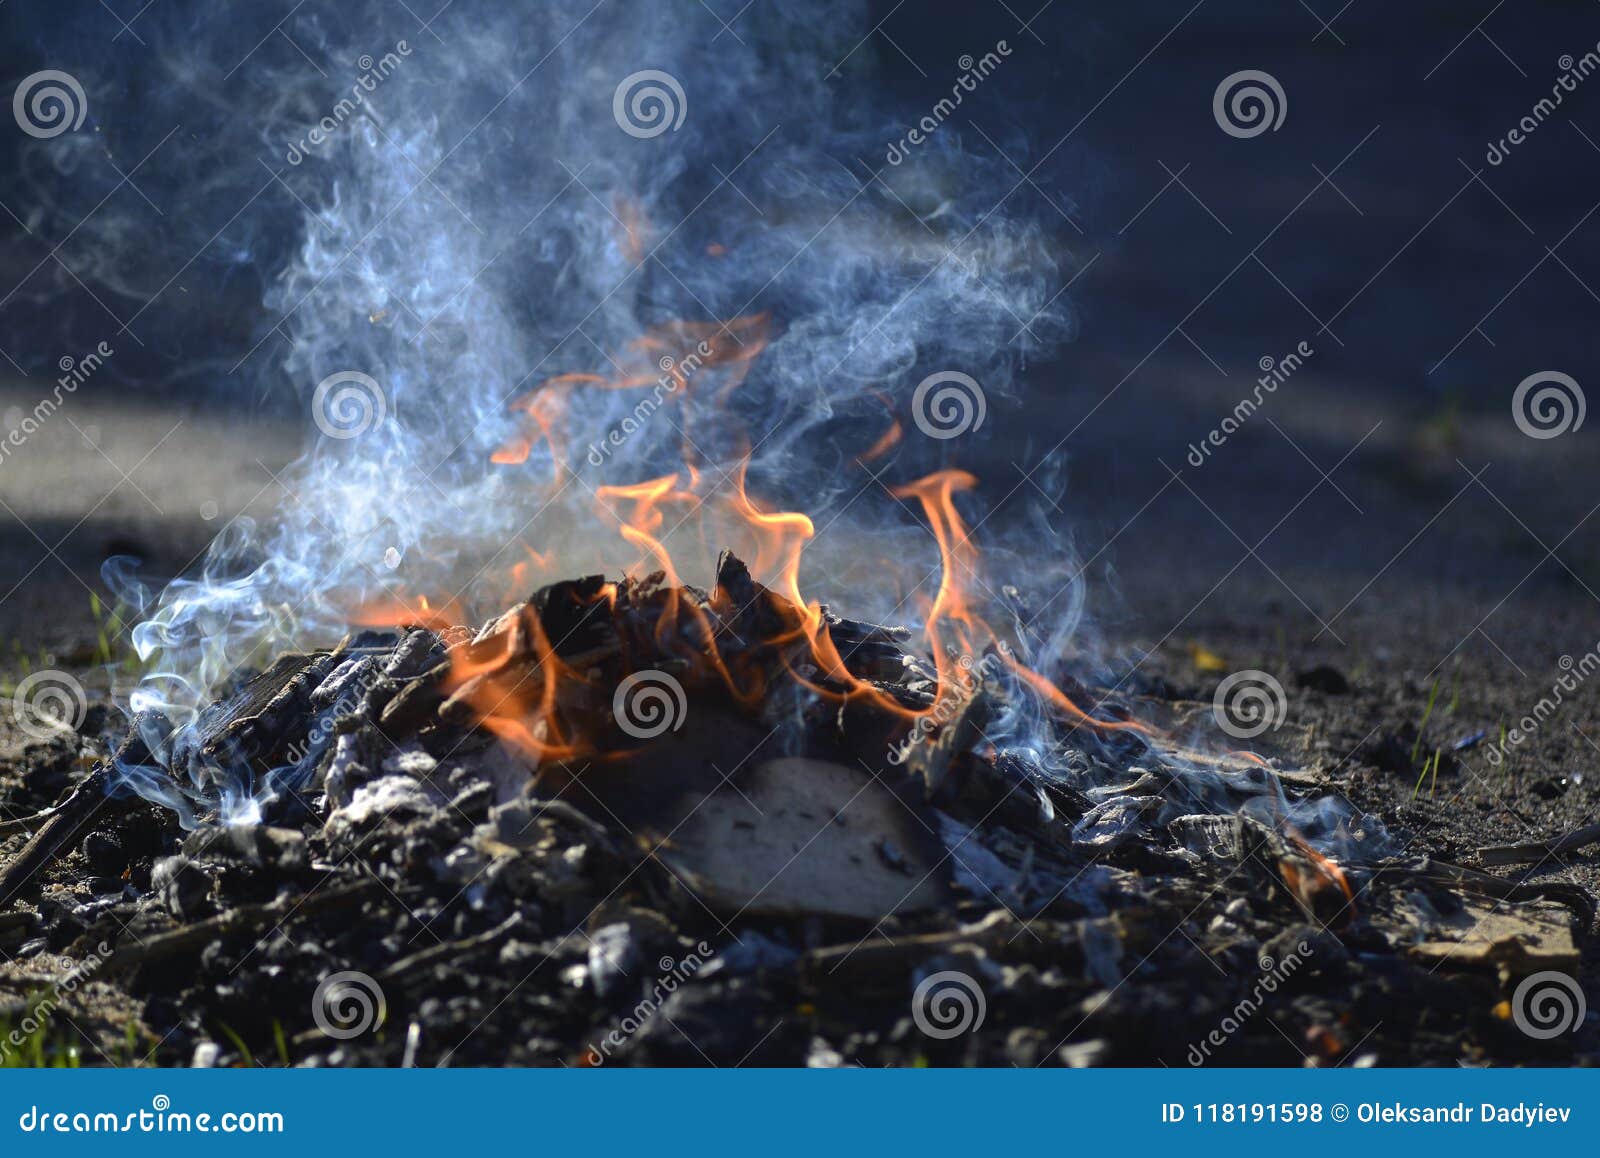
x: 639, y: 823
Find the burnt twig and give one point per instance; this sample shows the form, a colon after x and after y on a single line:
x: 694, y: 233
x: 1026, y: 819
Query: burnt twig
x: 1539, y: 850
x: 246, y: 919
x: 56, y: 834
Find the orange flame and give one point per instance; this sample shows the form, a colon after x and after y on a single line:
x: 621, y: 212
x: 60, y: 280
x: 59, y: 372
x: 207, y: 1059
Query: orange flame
x: 514, y: 681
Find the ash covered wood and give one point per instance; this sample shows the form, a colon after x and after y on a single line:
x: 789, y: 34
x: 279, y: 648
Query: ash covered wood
x: 781, y: 871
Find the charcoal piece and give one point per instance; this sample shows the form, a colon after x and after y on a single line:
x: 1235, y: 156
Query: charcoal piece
x: 853, y: 631
x: 353, y: 764
x: 973, y: 867
x: 1209, y: 836
x: 872, y: 660
x: 458, y: 707
x: 951, y: 728
x: 257, y: 723
x: 575, y: 615
x: 999, y: 793
x: 752, y: 611
x: 347, y: 682
x: 736, y: 588
x: 413, y: 705
x: 474, y: 798
x: 103, y: 852
x: 282, y: 850
x: 505, y: 637
x: 183, y: 886
x: 1058, y: 792
x: 369, y: 641
x: 1116, y: 821
x: 415, y: 654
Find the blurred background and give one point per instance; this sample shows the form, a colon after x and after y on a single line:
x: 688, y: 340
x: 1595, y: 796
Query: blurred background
x: 1382, y: 496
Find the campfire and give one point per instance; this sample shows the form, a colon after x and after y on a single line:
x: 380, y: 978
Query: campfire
x: 648, y: 658
x: 617, y: 769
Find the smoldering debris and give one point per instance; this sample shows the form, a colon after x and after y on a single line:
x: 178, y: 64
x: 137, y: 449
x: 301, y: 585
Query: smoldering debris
x: 511, y: 861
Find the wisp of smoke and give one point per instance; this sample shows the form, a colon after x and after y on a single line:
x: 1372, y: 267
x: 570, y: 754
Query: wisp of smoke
x: 414, y: 225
